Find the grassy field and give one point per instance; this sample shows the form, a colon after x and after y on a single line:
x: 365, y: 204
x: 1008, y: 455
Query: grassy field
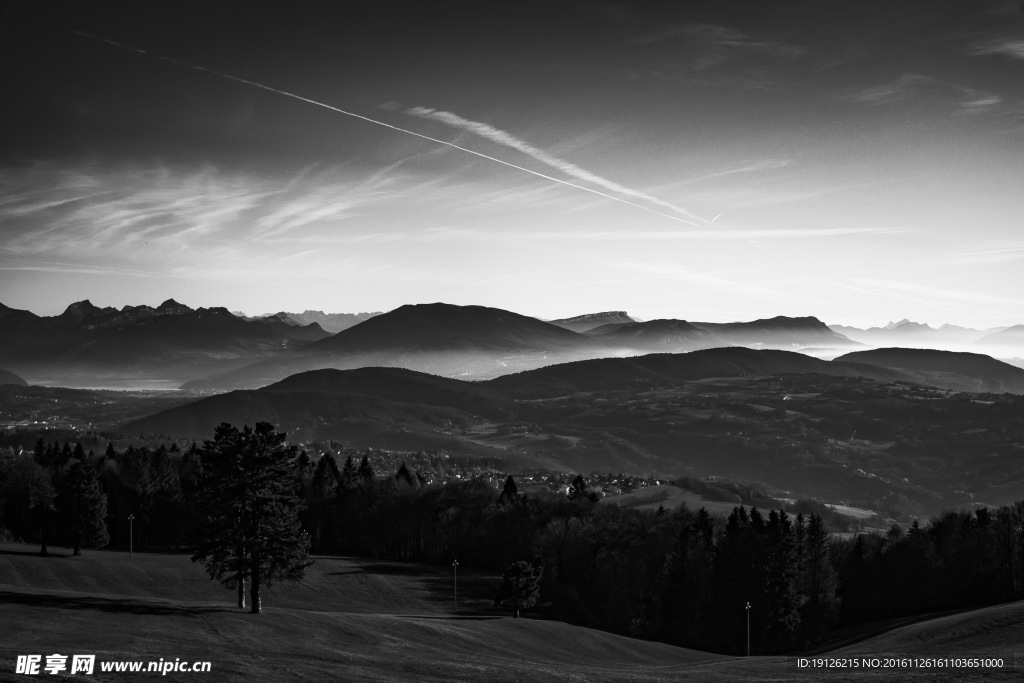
x: 671, y: 497
x: 363, y: 620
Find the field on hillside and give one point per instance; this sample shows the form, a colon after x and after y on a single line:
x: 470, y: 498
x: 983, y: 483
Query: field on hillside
x: 351, y: 620
x: 363, y: 620
x: 671, y: 497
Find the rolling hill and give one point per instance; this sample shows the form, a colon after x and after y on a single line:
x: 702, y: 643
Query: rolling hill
x: 988, y: 632
x: 364, y: 405
x: 349, y: 619
x: 667, y: 369
x: 955, y: 371
x: 365, y: 620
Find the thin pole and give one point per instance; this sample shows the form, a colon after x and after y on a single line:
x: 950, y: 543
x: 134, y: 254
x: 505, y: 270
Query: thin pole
x: 748, y: 629
x: 131, y: 535
x: 455, y: 571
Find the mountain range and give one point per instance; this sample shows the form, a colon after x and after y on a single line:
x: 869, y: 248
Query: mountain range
x: 170, y: 341
x: 951, y: 337
x: 456, y: 341
x: 330, y: 322
x: 211, y: 349
x: 477, y: 342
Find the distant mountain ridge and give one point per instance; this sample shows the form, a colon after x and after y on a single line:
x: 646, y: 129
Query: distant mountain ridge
x: 171, y: 340
x: 331, y: 322
x: 589, y: 321
x: 213, y: 349
x: 779, y: 332
x: 1010, y: 336
x: 656, y: 335
x: 907, y: 332
x: 443, y: 339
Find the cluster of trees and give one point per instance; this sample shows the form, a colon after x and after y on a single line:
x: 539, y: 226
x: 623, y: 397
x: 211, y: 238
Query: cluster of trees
x: 250, y: 507
x: 234, y: 502
x: 683, y: 577
x: 959, y: 559
x: 155, y: 485
x: 54, y: 497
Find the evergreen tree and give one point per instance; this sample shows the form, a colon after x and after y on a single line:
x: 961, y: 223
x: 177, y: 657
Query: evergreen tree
x: 349, y: 474
x: 82, y: 507
x: 520, y: 586
x: 819, y: 579
x: 365, y: 471
x: 304, y: 469
x: 39, y: 453
x: 322, y: 511
x: 404, y: 476
x: 779, y: 601
x: 325, y: 478
x: 510, y: 493
x: 252, y: 527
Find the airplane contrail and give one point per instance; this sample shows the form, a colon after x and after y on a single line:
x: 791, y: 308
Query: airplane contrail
x: 503, y: 138
x: 300, y: 98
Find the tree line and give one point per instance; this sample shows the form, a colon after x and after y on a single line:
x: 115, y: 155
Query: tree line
x: 684, y: 577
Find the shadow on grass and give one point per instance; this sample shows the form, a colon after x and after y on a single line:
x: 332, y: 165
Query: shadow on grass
x: 115, y: 605
x: 35, y: 553
x: 397, y: 569
x: 452, y: 617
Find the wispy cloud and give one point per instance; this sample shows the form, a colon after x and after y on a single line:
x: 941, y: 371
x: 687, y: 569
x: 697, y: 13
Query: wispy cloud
x: 904, y: 87
x: 911, y: 85
x: 989, y: 252
x: 1011, y: 48
x: 157, y: 218
x: 568, y: 168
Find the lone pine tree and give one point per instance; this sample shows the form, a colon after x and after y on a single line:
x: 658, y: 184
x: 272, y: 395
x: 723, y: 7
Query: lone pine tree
x: 251, y: 508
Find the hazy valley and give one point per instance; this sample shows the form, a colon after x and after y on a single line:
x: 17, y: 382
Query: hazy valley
x: 897, y: 432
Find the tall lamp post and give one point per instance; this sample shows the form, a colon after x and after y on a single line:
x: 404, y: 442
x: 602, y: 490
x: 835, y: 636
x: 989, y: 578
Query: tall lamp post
x: 131, y: 536
x: 455, y: 576
x: 748, y: 629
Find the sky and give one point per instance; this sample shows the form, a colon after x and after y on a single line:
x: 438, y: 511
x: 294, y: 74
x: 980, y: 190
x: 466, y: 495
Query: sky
x: 860, y: 161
